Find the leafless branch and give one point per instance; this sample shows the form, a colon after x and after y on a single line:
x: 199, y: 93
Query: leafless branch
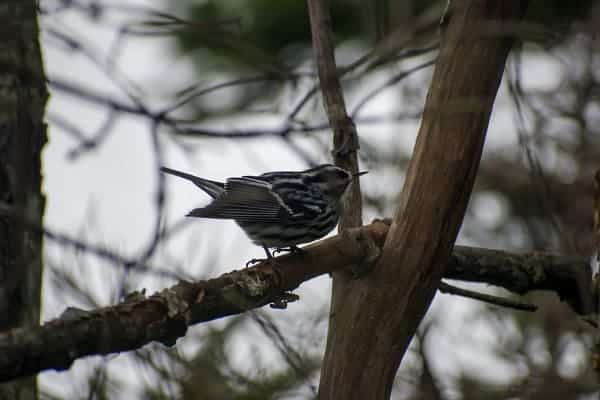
x: 486, y: 298
x: 165, y: 316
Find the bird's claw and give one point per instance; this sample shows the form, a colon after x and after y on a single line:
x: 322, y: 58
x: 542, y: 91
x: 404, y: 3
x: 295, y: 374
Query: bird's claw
x: 260, y: 260
x: 254, y: 261
x: 291, y: 249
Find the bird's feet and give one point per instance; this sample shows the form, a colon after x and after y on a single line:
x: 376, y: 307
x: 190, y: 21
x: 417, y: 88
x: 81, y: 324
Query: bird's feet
x: 256, y: 261
x: 291, y: 249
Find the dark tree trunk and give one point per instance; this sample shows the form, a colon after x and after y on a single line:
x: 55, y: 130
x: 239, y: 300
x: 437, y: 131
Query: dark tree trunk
x: 22, y: 135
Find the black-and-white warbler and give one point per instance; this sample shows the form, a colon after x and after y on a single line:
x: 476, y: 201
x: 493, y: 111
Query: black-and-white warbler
x: 277, y: 209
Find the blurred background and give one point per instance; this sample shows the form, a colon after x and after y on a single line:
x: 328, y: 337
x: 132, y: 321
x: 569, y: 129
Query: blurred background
x: 228, y: 88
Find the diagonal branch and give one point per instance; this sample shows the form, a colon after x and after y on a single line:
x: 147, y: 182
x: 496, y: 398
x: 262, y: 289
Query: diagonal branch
x: 374, y: 330
x: 345, y: 147
x: 166, y: 315
x: 486, y: 298
x: 345, y: 137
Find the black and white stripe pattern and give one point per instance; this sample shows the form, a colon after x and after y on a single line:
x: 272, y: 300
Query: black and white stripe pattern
x: 277, y: 209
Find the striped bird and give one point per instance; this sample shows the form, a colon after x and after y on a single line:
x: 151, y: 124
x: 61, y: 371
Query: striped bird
x: 277, y: 209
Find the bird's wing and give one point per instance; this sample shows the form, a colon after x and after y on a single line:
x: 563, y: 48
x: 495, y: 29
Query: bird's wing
x: 305, y: 201
x: 245, y: 199
x: 212, y: 188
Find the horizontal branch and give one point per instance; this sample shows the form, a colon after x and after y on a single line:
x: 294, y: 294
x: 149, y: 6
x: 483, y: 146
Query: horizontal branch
x: 165, y: 316
x: 568, y: 276
x: 486, y: 298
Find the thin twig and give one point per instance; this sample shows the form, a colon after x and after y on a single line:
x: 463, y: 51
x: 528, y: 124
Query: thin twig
x: 20, y: 215
x: 487, y: 298
x: 345, y: 137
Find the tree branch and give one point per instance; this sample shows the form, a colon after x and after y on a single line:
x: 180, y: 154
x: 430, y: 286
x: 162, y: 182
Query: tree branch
x: 384, y: 310
x: 568, y: 276
x: 486, y: 298
x: 166, y: 315
x: 345, y: 138
x: 345, y: 147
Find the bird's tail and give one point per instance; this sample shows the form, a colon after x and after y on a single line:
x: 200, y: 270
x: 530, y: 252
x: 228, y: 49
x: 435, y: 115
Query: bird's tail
x: 212, y: 188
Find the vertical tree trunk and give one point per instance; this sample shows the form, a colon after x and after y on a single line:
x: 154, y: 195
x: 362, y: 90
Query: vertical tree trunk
x: 22, y: 135
x: 373, y: 319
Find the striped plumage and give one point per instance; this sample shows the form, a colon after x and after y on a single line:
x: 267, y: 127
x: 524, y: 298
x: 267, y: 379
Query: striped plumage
x: 277, y: 209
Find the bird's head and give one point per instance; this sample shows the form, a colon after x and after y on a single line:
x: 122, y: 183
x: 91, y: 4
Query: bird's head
x: 332, y: 181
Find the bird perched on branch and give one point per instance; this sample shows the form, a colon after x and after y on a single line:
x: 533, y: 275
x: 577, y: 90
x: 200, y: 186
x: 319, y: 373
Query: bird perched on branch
x: 277, y: 209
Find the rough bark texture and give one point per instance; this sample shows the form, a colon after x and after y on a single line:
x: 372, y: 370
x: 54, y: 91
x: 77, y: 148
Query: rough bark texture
x: 345, y: 138
x: 381, y: 312
x: 568, y: 276
x: 345, y: 146
x: 22, y: 135
x: 165, y: 316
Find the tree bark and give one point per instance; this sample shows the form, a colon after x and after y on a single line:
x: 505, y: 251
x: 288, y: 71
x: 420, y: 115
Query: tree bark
x: 22, y: 135
x: 165, y: 316
x: 370, y: 333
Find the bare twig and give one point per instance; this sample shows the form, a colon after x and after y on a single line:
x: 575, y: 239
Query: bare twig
x: 80, y: 245
x: 345, y: 137
x: 487, y: 298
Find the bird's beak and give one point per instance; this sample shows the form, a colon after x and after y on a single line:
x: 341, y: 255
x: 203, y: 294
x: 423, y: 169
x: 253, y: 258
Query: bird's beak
x: 356, y: 175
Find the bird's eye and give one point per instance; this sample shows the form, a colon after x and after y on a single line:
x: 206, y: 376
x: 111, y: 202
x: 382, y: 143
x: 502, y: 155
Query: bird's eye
x: 341, y: 175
